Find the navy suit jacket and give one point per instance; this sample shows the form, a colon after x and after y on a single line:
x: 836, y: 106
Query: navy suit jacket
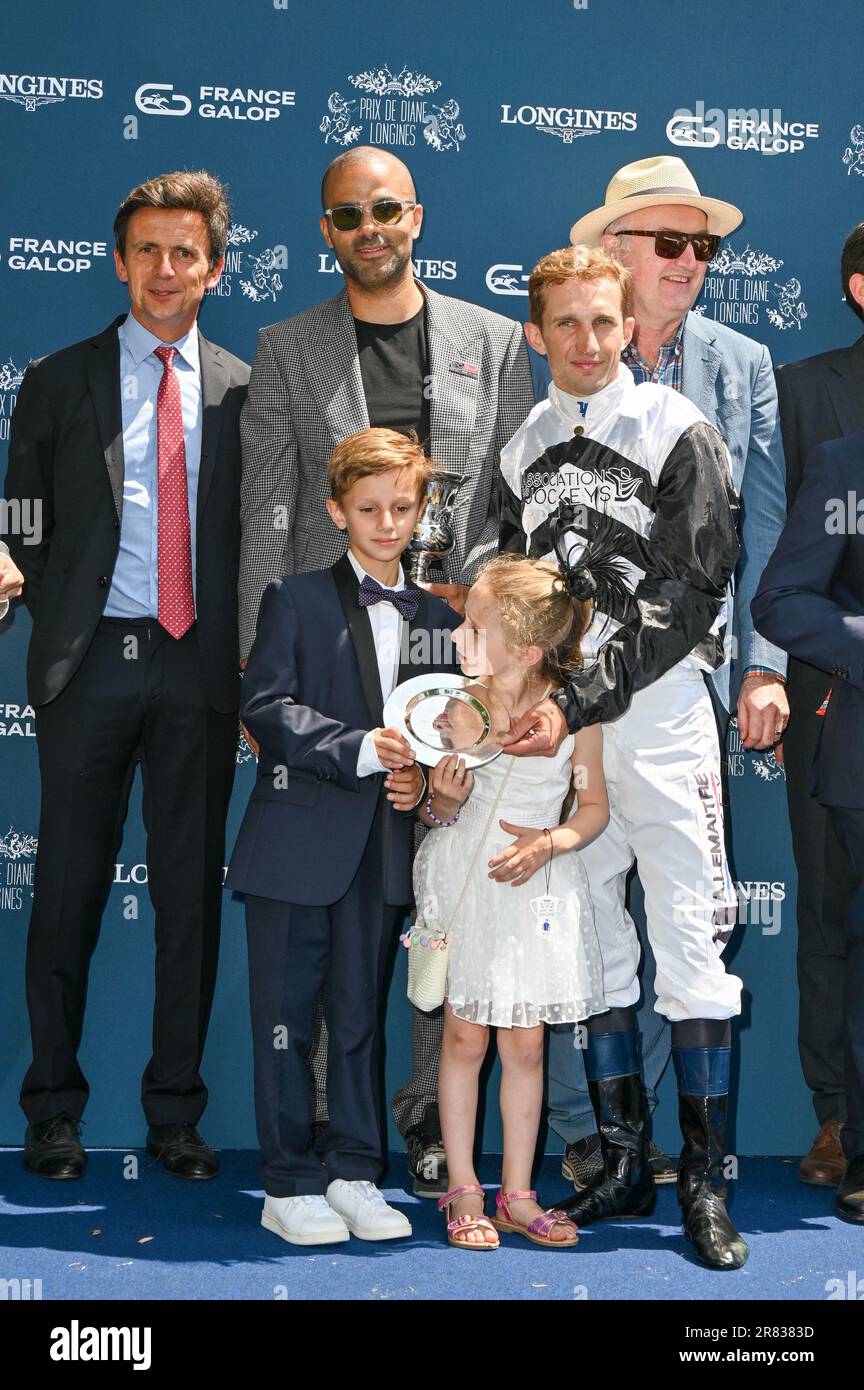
x: 811, y: 602
x: 310, y: 693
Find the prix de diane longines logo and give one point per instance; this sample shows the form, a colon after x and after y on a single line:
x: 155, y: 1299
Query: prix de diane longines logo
x: 17, y: 867
x: 32, y: 92
x: 10, y: 380
x: 740, y: 284
x: 392, y: 111
x: 258, y: 272
x: 215, y: 103
x: 853, y: 155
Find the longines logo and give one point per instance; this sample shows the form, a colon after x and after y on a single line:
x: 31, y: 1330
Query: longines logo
x: 739, y: 284
x: 423, y: 269
x: 10, y: 379
x: 853, y: 155
x: 53, y: 254
x: 762, y: 131
x: 32, y: 92
x: 17, y: 867
x: 392, y: 111
x: 263, y: 280
x: 215, y: 103
x: 507, y: 279
x: 568, y: 123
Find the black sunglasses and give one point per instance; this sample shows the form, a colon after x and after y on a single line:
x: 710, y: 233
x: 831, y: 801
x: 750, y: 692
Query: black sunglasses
x: 348, y: 216
x: 671, y: 245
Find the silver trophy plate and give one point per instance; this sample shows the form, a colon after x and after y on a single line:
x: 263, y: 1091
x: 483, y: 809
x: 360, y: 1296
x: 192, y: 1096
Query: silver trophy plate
x: 448, y: 714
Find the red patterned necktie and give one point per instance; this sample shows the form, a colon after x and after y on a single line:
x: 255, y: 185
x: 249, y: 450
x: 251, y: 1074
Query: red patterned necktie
x: 176, y: 601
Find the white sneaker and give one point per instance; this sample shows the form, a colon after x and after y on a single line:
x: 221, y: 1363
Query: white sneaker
x: 307, y: 1220
x: 365, y: 1212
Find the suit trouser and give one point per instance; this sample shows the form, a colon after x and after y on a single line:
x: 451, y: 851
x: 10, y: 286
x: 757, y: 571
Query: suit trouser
x: 849, y: 828
x: 337, y: 953
x: 137, y: 695
x: 421, y: 1089
x: 825, y: 885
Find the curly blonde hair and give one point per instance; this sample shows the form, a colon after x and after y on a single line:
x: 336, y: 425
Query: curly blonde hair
x: 537, y: 609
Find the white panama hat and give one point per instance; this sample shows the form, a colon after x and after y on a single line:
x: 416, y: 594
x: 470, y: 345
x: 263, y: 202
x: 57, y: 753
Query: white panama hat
x: 663, y: 179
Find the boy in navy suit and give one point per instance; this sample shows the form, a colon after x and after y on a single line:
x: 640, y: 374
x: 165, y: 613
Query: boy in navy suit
x: 324, y: 852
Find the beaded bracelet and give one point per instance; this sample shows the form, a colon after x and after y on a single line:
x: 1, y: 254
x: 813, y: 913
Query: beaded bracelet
x: 431, y: 814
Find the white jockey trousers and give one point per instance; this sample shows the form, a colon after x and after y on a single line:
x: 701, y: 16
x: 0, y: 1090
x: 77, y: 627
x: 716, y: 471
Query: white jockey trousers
x: 662, y: 765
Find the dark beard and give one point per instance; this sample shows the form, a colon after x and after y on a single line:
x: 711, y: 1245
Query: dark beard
x: 372, y: 277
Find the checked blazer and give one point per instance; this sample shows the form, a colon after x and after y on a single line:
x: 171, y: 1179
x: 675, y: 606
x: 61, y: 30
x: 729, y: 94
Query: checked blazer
x: 306, y: 395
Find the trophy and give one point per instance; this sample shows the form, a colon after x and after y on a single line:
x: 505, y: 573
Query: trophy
x: 434, y: 536
x: 442, y: 714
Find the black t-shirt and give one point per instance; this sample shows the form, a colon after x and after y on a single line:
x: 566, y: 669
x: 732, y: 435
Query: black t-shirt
x: 394, y: 365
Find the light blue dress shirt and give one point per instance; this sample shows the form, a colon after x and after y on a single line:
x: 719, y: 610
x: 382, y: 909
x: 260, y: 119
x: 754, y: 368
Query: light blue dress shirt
x: 134, y: 591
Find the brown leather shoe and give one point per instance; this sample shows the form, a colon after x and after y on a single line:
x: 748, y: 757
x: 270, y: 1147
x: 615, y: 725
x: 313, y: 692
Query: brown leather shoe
x: 825, y: 1165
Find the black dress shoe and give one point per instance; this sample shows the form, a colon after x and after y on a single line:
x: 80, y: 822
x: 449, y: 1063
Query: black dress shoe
x: 849, y: 1202
x: 182, y: 1151
x: 427, y: 1163
x: 52, y: 1148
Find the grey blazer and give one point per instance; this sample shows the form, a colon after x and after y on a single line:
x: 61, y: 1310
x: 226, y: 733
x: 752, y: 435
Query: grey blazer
x: 306, y: 395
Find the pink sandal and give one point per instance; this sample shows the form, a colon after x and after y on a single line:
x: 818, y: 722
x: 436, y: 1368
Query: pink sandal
x: 540, y: 1229
x: 467, y: 1223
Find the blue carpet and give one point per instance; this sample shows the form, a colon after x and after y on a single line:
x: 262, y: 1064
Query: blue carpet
x: 154, y: 1236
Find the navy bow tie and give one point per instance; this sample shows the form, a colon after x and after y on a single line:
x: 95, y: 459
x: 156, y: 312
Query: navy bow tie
x: 407, y: 601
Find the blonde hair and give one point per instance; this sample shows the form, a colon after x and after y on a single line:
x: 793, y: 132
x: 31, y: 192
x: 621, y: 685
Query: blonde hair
x: 585, y: 263
x: 536, y: 608
x: 377, y: 451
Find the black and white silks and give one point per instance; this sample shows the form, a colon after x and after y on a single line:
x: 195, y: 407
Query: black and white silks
x: 639, y: 473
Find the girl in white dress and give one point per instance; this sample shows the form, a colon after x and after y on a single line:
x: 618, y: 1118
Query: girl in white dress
x: 501, y: 878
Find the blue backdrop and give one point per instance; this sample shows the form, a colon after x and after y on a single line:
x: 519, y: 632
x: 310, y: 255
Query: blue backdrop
x: 512, y: 118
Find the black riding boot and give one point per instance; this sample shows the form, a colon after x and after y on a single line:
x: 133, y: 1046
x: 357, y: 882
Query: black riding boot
x: 703, y: 1085
x: 626, y: 1188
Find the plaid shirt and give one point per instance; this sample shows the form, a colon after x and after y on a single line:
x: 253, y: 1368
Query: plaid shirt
x: 669, y: 370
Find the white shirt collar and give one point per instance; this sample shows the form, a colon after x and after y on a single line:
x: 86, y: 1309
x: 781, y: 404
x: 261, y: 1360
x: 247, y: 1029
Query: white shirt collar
x: 361, y: 573
x: 578, y: 410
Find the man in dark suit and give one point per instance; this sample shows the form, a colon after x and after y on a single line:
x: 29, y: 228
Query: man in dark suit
x: 821, y: 398
x: 325, y: 849
x: 129, y: 444
x: 811, y: 601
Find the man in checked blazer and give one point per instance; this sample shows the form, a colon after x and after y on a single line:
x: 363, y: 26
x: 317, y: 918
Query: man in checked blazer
x: 387, y: 352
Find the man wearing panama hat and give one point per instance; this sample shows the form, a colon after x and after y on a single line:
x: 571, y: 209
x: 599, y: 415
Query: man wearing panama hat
x: 657, y: 222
